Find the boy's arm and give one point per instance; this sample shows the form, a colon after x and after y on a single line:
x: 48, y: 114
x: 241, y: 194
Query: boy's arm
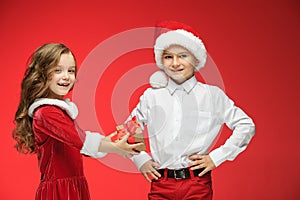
x: 143, y: 161
x: 140, y: 159
x: 241, y: 124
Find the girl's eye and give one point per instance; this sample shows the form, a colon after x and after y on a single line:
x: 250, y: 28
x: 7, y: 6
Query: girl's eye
x: 57, y: 71
x: 72, y: 71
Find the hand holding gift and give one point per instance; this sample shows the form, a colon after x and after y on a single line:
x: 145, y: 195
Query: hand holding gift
x: 136, y: 134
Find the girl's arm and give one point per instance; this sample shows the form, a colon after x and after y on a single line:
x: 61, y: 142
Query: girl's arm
x: 54, y: 122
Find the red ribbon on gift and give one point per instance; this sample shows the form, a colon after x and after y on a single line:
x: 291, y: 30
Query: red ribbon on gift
x: 130, y: 127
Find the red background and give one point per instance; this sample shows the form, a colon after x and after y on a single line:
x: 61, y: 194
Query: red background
x: 255, y: 45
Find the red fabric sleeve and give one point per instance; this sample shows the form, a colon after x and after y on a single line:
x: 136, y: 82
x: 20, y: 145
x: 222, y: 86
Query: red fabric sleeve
x: 56, y: 123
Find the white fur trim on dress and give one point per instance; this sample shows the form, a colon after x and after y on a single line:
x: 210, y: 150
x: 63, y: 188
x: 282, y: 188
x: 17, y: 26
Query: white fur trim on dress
x: 66, y: 105
x: 183, y: 38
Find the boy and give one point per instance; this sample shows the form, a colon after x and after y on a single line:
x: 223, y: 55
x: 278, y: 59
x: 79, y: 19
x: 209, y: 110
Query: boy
x: 183, y: 117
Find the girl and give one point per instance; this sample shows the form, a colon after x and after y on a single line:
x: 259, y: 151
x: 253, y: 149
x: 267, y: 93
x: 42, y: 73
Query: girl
x: 45, y: 125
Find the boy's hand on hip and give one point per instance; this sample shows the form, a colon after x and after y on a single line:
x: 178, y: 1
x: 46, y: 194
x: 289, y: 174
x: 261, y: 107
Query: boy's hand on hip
x: 148, y: 170
x: 201, y: 161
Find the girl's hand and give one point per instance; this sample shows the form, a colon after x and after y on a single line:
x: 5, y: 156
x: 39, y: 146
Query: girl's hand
x: 201, y: 161
x: 124, y: 149
x: 120, y: 147
x: 108, y: 138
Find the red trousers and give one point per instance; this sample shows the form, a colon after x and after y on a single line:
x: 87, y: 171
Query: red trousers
x: 193, y: 188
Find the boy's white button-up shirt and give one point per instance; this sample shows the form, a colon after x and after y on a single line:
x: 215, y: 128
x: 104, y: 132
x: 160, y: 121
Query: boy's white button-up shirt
x: 186, y: 119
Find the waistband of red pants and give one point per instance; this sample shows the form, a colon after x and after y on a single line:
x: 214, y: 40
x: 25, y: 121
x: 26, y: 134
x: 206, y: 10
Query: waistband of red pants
x: 183, y: 173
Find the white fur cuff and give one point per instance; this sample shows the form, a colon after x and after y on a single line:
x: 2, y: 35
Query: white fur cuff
x: 91, y: 145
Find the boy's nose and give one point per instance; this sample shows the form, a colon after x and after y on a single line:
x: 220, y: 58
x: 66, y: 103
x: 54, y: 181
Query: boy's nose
x: 176, y: 61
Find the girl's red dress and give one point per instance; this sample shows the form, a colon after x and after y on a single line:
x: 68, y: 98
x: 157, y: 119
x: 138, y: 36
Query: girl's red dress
x: 58, y: 149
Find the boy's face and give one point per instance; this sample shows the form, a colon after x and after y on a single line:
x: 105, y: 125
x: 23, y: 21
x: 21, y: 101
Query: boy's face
x: 62, y: 77
x: 179, y: 63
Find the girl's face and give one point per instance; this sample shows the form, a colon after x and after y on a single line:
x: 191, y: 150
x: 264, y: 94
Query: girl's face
x: 179, y: 63
x: 62, y: 76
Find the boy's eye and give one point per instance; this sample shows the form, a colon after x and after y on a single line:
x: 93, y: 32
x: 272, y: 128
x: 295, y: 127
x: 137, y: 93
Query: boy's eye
x: 167, y: 57
x: 183, y: 55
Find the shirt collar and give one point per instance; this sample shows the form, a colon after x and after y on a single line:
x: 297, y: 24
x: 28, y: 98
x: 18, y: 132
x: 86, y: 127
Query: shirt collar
x: 187, y: 85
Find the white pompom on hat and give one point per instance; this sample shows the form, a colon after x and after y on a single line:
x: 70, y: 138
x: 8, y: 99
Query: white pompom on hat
x: 176, y: 33
x: 158, y: 79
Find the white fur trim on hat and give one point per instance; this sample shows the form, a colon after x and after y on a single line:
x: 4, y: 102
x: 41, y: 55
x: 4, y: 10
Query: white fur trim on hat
x: 66, y: 105
x: 183, y: 38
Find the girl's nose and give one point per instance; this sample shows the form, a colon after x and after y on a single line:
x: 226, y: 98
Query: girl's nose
x: 66, y: 75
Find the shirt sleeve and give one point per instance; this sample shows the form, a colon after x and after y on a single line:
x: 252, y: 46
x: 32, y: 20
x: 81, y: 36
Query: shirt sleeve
x: 238, y: 121
x: 140, y: 111
x: 140, y: 159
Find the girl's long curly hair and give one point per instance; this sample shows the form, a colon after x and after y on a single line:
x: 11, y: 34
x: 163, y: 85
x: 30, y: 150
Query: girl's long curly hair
x: 34, y: 86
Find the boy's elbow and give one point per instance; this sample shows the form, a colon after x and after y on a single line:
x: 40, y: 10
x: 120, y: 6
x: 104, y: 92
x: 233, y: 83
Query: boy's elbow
x: 252, y: 129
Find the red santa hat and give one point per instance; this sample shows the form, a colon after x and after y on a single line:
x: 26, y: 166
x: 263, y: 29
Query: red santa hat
x: 170, y: 33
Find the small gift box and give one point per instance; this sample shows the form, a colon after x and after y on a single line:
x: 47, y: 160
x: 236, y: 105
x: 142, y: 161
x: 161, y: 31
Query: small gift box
x: 135, y: 133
